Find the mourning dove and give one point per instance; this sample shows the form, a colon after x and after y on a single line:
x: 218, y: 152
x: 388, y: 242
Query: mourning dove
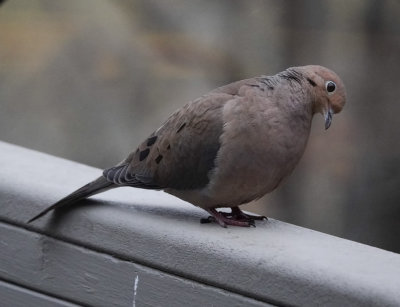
x: 230, y: 146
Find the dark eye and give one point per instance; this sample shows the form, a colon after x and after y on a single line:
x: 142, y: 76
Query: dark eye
x: 330, y: 86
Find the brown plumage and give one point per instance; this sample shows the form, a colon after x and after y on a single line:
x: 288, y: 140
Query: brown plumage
x: 230, y: 146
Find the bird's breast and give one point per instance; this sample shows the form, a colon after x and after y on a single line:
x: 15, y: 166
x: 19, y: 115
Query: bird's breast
x: 260, y: 146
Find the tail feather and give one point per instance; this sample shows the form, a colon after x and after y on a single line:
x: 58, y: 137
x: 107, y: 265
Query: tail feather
x: 97, y: 186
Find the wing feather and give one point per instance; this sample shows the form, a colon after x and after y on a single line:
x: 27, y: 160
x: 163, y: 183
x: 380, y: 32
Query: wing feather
x: 181, y: 153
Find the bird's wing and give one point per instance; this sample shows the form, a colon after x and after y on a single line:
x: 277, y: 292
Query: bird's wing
x: 182, y: 152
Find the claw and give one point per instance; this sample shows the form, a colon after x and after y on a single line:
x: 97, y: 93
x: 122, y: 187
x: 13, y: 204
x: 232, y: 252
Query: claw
x: 235, y: 218
x: 236, y: 212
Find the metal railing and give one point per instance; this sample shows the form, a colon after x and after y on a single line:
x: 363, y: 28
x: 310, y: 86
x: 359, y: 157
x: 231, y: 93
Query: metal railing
x: 131, y: 247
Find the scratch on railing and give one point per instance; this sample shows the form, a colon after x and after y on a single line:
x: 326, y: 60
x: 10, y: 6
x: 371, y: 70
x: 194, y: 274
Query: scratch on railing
x: 135, y: 290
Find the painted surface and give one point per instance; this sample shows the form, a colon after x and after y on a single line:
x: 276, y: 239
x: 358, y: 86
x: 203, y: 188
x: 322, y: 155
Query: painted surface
x: 79, y: 275
x: 93, y: 252
x: 12, y: 295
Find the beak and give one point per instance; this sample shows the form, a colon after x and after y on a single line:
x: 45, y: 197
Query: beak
x: 328, y: 118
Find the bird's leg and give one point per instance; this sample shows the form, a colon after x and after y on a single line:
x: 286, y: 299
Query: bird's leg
x: 224, y: 220
x: 239, y: 214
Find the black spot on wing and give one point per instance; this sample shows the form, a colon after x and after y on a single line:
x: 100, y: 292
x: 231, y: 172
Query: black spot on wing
x: 151, y: 140
x: 143, y: 154
x: 158, y: 159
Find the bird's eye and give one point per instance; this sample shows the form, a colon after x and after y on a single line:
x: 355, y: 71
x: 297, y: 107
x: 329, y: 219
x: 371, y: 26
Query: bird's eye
x: 330, y: 86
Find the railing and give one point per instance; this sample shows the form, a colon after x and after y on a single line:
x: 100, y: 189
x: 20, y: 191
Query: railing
x: 131, y: 247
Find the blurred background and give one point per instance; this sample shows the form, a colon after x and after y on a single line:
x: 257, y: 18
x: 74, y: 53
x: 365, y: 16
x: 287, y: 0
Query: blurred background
x: 88, y: 80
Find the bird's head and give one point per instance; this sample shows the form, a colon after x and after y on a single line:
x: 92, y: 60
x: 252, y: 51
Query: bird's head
x: 328, y: 91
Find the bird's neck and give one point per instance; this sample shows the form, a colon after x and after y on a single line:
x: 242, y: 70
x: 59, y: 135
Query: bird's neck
x: 297, y: 102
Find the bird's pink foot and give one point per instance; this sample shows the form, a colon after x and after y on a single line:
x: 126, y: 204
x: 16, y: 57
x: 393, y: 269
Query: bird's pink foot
x: 240, y: 215
x: 235, y: 218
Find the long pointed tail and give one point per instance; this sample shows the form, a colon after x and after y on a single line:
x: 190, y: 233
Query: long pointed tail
x: 97, y: 186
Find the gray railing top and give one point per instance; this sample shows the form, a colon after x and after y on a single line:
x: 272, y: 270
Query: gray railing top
x: 275, y: 263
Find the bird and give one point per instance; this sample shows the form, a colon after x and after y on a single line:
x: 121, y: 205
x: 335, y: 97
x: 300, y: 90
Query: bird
x: 231, y: 146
